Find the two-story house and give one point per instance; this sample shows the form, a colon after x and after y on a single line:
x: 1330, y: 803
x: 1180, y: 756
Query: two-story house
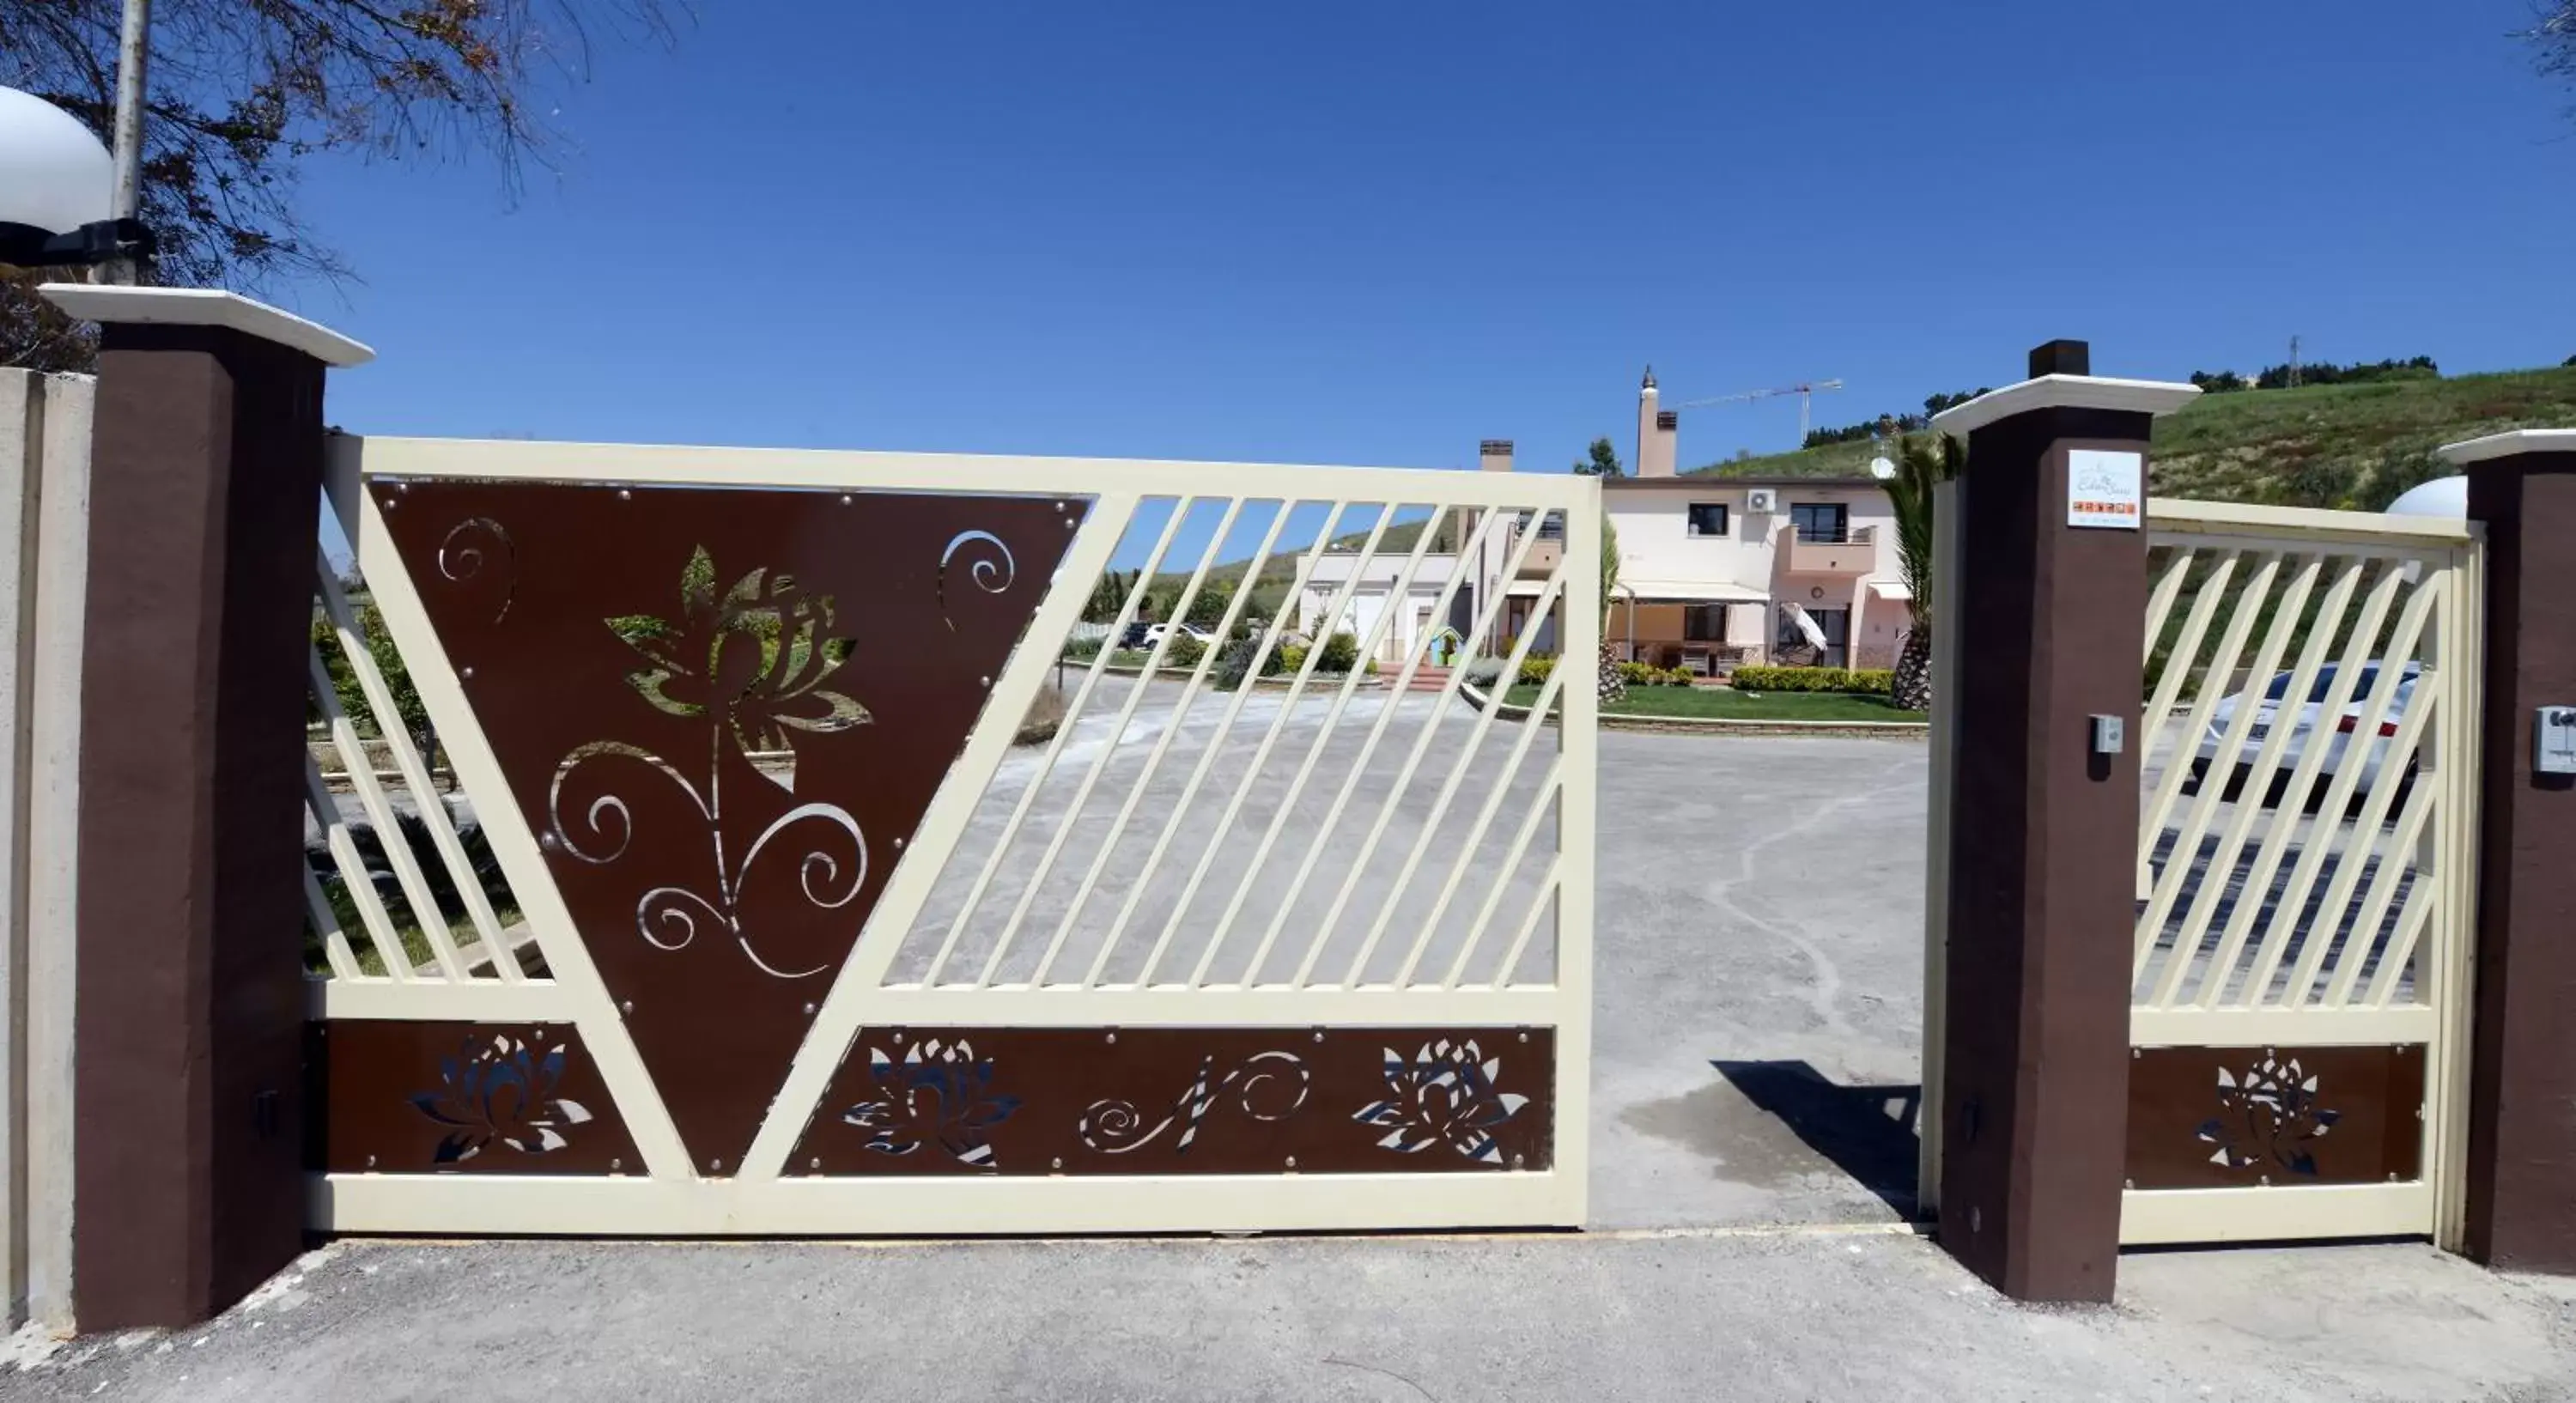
x: 1716, y: 571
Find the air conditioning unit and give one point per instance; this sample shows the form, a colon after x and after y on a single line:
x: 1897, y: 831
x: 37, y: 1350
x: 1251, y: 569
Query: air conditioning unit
x: 1761, y: 499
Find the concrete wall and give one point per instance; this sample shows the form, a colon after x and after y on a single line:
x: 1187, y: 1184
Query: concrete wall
x: 44, y: 534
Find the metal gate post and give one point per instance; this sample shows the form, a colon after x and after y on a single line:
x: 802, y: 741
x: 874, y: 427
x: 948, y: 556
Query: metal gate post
x: 2049, y: 609
x: 2521, y: 1168
x: 206, y: 479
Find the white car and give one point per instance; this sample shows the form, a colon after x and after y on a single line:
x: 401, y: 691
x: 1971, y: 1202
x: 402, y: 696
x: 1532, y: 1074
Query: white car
x: 1154, y: 633
x: 2306, y: 724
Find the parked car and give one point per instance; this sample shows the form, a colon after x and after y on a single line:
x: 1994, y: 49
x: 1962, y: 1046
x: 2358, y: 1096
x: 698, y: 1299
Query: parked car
x: 1154, y: 633
x: 2307, y: 724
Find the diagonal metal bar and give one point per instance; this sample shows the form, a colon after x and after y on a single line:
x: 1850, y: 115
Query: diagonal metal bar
x: 2222, y: 665
x: 1531, y: 726
x: 1260, y: 756
x: 1439, y: 806
x: 1109, y: 752
x: 353, y: 875
x: 415, y: 772
x: 1199, y: 772
x: 1539, y: 806
x: 2267, y: 662
x: 380, y: 812
x: 2365, y: 732
x: 1399, y: 591
x: 1486, y: 614
x: 1358, y: 768
x: 1162, y: 744
x: 1054, y: 747
x: 2216, y: 975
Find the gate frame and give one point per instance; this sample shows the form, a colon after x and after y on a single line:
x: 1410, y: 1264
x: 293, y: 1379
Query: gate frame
x: 671, y: 1198
x: 2434, y: 1205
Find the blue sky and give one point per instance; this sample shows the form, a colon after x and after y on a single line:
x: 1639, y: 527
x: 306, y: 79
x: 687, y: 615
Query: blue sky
x: 1336, y: 232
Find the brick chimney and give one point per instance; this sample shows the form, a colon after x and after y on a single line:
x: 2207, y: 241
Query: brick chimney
x: 1657, y: 430
x: 1494, y: 455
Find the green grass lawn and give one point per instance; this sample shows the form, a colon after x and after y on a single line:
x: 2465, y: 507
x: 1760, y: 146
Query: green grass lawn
x: 1726, y: 704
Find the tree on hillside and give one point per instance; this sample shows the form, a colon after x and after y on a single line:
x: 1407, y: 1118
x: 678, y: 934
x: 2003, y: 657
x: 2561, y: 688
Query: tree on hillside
x: 1601, y: 460
x: 241, y: 91
x: 1921, y: 465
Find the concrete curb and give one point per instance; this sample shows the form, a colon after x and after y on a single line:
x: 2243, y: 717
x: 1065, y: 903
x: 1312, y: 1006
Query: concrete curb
x: 1704, y: 725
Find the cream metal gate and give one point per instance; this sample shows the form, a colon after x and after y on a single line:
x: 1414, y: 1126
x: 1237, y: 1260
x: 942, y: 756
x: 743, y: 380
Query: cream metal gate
x: 2305, y: 876
x: 821, y: 927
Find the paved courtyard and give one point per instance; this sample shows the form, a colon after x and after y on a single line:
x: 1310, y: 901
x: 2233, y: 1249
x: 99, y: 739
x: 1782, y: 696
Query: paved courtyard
x: 1757, y: 1019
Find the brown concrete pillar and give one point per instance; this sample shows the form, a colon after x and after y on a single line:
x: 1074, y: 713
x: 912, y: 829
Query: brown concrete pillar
x: 2050, y: 612
x: 205, y: 483
x: 2522, y: 1071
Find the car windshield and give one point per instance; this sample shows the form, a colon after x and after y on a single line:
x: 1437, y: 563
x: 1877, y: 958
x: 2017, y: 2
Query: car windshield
x: 2367, y: 683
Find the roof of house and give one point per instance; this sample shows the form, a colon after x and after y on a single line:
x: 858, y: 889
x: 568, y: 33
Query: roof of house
x: 1709, y: 483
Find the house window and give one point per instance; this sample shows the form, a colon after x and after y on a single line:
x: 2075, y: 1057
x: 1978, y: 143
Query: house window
x: 1704, y: 623
x: 1708, y: 518
x: 1825, y: 523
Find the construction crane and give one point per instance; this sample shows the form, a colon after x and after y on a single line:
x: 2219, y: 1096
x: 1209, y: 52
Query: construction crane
x: 1805, y: 390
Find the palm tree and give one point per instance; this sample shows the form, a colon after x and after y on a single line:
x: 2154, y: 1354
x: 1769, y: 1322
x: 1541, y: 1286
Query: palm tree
x: 1921, y: 465
x: 1611, y: 687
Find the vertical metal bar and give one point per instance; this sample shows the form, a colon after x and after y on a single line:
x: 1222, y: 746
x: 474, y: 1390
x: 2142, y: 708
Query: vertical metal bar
x: 1949, y: 500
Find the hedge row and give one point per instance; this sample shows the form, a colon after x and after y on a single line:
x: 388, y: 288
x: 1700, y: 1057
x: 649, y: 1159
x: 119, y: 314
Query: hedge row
x: 1877, y: 680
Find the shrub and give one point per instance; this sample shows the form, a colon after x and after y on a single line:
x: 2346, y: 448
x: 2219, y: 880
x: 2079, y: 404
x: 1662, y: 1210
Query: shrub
x: 1638, y: 674
x: 1814, y: 679
x: 1083, y: 649
x: 1536, y: 670
x: 1234, y: 665
x: 1676, y: 677
x: 1292, y: 656
x: 1341, y: 653
x: 1046, y: 716
x: 1184, y: 652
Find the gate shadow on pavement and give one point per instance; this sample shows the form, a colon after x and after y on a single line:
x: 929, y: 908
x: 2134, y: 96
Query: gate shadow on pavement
x: 1867, y: 1131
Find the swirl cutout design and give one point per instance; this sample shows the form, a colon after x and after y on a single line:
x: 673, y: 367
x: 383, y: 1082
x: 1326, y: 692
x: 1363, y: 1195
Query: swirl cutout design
x: 1117, y: 1127
x: 467, y: 548
x: 989, y: 566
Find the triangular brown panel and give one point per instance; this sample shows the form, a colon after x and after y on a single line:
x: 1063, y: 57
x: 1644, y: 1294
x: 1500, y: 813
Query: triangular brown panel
x: 645, y: 662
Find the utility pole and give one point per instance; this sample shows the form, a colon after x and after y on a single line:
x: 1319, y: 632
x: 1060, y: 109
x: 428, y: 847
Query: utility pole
x: 2294, y: 362
x: 133, y: 50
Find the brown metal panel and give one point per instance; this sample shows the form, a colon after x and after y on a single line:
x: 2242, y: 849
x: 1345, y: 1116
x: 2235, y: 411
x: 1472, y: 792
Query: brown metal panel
x: 492, y: 1098
x: 2237, y: 1117
x: 2521, y: 1168
x: 627, y: 651
x: 1186, y: 1101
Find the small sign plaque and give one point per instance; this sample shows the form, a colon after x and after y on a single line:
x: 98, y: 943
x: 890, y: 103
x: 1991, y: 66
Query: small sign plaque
x: 2553, y: 750
x: 2106, y: 489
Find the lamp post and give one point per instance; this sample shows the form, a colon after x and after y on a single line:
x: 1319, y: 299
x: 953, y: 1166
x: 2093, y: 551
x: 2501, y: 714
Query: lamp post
x: 59, y: 191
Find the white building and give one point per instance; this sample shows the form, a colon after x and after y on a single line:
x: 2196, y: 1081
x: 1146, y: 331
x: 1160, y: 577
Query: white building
x: 1412, y: 626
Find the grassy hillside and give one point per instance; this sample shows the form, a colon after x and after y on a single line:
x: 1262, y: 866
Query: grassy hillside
x: 2347, y: 446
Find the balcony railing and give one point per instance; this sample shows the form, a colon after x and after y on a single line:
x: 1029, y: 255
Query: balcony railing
x: 1848, y: 553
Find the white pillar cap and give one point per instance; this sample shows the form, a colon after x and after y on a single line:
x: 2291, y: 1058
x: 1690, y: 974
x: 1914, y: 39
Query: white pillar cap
x: 205, y: 306
x: 2065, y: 392
x: 2509, y: 444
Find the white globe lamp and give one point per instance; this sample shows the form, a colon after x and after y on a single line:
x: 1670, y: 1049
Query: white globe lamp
x: 57, y: 190
x: 2443, y: 497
